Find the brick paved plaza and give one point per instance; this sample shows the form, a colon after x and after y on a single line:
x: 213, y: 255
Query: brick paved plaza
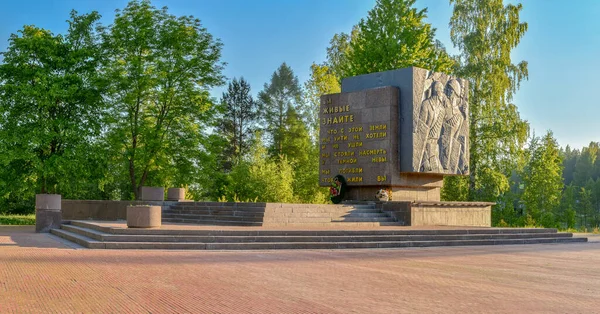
x: 39, y: 274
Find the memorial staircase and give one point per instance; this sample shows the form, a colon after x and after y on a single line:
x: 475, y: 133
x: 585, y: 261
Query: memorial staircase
x: 265, y: 226
x: 277, y: 214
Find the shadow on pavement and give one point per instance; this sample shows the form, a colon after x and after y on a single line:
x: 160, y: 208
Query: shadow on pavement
x: 25, y: 236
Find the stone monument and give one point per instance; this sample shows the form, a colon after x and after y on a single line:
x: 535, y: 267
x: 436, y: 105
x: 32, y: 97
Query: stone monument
x: 400, y: 130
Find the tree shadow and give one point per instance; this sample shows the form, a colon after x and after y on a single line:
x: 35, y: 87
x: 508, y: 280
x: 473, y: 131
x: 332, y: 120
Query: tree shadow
x: 25, y: 236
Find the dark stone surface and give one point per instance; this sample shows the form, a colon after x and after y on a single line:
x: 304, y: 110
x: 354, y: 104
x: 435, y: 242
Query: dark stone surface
x: 433, y: 128
x: 46, y: 219
x: 362, y: 146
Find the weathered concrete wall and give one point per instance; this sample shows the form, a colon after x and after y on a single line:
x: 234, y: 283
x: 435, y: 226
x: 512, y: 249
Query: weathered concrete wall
x: 451, y: 214
x: 101, y: 210
x: 473, y: 214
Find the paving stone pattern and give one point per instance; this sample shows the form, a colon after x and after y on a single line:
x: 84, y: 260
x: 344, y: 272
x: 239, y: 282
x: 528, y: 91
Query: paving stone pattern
x: 39, y: 274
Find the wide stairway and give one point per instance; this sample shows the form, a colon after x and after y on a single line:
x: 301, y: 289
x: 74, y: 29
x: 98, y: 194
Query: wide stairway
x: 276, y: 214
x: 102, y: 235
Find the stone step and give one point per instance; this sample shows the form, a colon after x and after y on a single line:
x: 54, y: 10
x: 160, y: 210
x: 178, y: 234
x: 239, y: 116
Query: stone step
x: 101, y: 236
x: 332, y: 225
x: 78, y: 238
x: 383, y: 218
x: 212, y: 221
x: 272, y: 211
x: 270, y: 205
x: 90, y: 243
x: 218, y: 208
x: 214, y: 212
x: 212, y: 217
x: 164, y: 230
x: 326, y: 219
x: 275, y: 210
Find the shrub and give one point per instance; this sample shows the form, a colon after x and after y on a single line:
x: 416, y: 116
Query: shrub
x: 17, y: 219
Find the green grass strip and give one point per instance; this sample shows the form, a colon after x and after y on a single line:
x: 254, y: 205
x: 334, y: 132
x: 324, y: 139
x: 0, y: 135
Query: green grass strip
x: 17, y: 219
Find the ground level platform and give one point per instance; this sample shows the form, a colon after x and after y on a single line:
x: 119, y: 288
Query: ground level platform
x: 40, y: 273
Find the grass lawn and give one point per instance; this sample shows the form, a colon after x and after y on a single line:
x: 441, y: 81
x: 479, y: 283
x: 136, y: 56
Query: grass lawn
x: 17, y: 219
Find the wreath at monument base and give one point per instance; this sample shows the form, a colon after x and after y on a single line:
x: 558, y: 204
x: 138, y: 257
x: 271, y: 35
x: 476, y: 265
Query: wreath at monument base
x: 384, y: 195
x: 337, y: 189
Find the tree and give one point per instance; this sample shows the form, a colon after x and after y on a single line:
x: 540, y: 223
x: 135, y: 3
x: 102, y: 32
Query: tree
x: 51, y: 102
x: 160, y: 67
x: 585, y: 208
x: 569, y: 157
x: 277, y: 97
x: 239, y: 119
x: 584, y: 167
x: 322, y: 81
x: 393, y: 36
x: 338, y: 51
x: 485, y: 32
x: 542, y: 177
x: 567, y: 212
x: 260, y: 178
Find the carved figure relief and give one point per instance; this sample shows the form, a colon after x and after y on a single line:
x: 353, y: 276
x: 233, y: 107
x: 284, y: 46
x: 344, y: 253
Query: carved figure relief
x: 441, y: 126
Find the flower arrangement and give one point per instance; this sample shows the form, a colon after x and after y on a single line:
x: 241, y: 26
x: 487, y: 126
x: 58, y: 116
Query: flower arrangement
x: 337, y: 189
x: 384, y: 195
x: 334, y: 190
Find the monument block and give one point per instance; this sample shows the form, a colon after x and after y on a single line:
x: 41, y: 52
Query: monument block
x: 401, y: 130
x: 434, y: 118
x: 356, y: 137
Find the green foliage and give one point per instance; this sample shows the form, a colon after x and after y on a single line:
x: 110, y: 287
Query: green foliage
x: 238, y: 122
x: 281, y: 96
x: 50, y: 103
x: 542, y: 178
x: 262, y: 178
x: 17, y: 219
x: 394, y: 36
x: 485, y: 32
x: 322, y: 81
x: 160, y: 68
x: 455, y: 188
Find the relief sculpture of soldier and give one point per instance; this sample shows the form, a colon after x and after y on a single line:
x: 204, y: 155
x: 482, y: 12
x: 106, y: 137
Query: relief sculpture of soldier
x: 453, y: 140
x: 441, y: 126
x: 429, y: 125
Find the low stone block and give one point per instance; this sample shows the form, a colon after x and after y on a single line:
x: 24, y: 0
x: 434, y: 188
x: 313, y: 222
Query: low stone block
x: 46, y: 219
x: 175, y: 194
x: 48, y: 214
x: 144, y: 216
x: 148, y: 193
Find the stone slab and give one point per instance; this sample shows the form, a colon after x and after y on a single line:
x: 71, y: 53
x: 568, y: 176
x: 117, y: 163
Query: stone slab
x: 175, y: 194
x: 48, y: 213
x: 432, y: 109
x: 144, y: 216
x: 148, y: 193
x: 357, y: 137
x: 46, y: 219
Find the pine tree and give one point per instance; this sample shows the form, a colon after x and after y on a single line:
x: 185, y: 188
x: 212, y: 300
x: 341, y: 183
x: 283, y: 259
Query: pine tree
x: 238, y: 123
x: 542, y: 178
x: 278, y: 96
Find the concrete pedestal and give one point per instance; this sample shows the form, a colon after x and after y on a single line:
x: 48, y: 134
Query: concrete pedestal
x: 149, y: 193
x: 175, y: 194
x: 408, y: 187
x: 424, y: 213
x: 48, y: 213
x: 144, y: 216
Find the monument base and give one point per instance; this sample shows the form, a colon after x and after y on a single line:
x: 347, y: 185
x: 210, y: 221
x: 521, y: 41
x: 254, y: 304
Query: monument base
x: 409, y: 187
x: 426, y: 213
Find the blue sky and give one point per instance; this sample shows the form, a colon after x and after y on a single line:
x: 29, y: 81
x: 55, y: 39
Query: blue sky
x: 562, y: 45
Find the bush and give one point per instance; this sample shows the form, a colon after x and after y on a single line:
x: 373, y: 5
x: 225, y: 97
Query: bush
x: 548, y: 221
x: 17, y: 219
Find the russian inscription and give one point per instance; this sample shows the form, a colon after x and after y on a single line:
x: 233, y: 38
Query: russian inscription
x: 354, y: 142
